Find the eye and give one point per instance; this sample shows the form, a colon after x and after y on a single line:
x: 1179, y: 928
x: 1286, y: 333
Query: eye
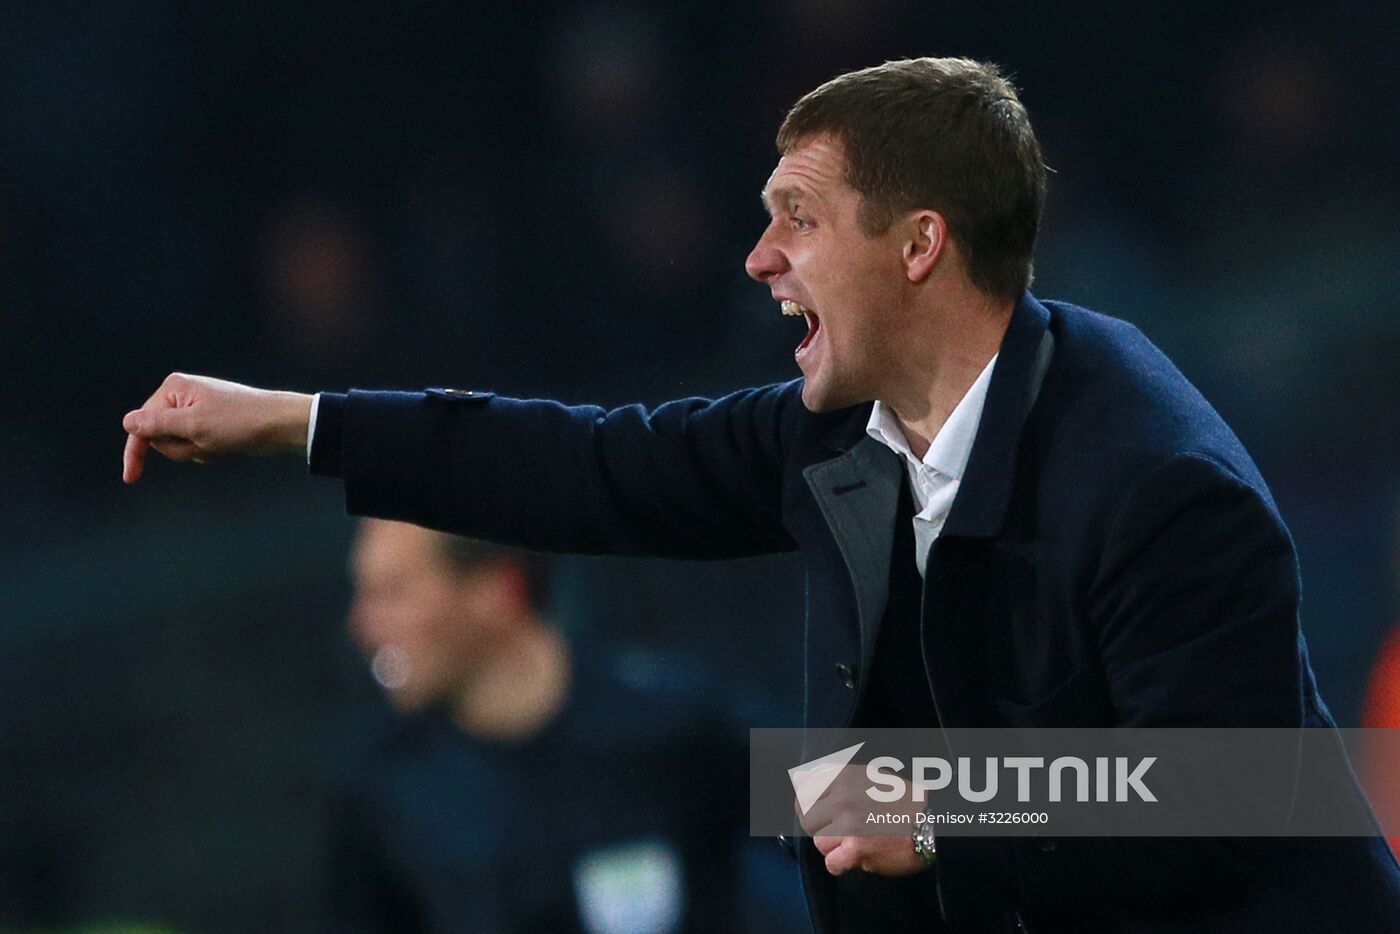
x: 799, y: 223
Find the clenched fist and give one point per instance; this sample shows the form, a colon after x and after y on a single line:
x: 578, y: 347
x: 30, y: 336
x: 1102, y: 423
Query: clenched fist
x: 838, y: 823
x: 197, y: 418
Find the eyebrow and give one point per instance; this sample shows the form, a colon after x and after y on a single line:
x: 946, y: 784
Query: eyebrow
x: 783, y: 197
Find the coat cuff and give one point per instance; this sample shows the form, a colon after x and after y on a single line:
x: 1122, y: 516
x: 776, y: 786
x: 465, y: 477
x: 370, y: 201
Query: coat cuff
x: 326, y: 459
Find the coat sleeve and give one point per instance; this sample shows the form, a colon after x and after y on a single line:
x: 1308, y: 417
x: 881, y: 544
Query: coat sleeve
x: 1198, y: 570
x: 694, y: 478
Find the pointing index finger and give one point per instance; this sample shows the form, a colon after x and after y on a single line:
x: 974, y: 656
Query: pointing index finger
x: 133, y: 458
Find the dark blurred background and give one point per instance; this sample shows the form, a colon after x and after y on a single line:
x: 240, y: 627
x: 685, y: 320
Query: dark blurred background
x: 555, y: 198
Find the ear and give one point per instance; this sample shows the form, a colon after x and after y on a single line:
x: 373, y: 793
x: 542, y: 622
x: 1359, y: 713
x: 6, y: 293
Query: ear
x: 496, y: 588
x: 516, y: 587
x: 927, y: 239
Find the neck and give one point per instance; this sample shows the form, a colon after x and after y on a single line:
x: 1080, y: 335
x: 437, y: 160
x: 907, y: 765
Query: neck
x: 518, y: 688
x: 945, y: 353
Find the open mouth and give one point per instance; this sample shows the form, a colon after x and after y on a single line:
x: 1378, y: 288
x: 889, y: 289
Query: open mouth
x: 814, y: 323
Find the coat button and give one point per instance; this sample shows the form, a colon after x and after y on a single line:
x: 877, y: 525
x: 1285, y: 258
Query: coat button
x: 847, y: 674
x: 460, y: 395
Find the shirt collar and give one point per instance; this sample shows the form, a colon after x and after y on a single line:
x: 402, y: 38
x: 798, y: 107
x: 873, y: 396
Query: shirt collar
x: 952, y: 446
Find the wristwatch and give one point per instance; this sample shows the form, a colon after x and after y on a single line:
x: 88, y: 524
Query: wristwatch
x: 923, y: 842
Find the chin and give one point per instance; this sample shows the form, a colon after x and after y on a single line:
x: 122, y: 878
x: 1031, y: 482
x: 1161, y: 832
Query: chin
x: 404, y: 701
x: 813, y: 399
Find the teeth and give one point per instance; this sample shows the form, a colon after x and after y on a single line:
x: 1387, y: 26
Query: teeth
x: 792, y: 308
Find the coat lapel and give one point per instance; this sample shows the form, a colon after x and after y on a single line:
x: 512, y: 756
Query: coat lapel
x: 958, y: 585
x: 858, y: 494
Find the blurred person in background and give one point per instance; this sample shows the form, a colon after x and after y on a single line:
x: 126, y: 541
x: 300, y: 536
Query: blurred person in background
x: 524, y: 785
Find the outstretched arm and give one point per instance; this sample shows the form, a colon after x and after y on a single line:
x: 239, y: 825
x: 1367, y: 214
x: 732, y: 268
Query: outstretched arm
x: 695, y: 478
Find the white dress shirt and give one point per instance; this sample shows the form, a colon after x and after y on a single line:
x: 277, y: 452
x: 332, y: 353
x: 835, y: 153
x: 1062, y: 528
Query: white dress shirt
x: 311, y: 424
x: 934, y: 480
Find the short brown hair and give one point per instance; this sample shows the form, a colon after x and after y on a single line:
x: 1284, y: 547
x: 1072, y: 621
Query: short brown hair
x: 948, y: 134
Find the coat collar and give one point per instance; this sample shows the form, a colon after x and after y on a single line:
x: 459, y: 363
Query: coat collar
x: 980, y: 507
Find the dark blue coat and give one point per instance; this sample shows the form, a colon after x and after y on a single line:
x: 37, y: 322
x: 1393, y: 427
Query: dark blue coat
x: 1112, y: 558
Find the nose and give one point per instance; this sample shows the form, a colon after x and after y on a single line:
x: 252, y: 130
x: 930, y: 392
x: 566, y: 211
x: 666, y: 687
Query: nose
x: 765, y: 260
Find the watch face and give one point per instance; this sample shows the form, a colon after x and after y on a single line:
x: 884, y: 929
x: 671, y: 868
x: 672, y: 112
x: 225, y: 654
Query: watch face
x: 924, y: 842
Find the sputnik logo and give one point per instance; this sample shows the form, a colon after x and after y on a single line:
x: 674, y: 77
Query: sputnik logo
x: 810, y: 780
